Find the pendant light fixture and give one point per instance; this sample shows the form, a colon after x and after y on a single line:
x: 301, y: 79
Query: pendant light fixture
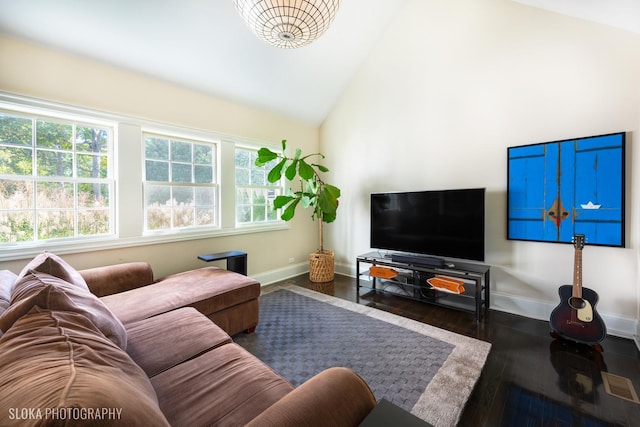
x: 288, y: 23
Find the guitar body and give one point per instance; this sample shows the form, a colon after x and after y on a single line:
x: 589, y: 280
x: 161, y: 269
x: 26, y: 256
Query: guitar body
x: 577, y: 320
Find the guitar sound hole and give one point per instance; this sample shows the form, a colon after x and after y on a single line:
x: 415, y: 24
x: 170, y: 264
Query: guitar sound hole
x: 577, y: 303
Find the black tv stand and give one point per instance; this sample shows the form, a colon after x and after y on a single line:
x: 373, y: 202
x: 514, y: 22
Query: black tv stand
x: 411, y: 281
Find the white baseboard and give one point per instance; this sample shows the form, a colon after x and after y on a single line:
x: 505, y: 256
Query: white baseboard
x: 346, y: 269
x: 540, y: 310
x: 272, y: 276
x: 616, y: 325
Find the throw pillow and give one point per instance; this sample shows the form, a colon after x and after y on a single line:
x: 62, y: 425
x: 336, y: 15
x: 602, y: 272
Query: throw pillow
x: 52, y: 293
x: 52, y: 264
x: 7, y: 280
x: 58, y: 364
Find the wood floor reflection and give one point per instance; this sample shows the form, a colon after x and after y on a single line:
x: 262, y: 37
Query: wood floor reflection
x: 529, y: 378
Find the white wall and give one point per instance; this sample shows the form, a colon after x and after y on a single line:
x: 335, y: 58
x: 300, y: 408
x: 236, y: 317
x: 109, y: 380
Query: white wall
x: 35, y: 71
x: 449, y: 87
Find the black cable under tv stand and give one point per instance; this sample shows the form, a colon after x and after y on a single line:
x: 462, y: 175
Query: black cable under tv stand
x: 413, y: 271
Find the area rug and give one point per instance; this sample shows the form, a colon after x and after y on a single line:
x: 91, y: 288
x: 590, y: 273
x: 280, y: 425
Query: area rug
x: 425, y: 370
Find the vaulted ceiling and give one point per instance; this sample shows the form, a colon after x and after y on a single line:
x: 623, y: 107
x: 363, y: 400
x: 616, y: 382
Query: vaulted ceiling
x: 204, y: 44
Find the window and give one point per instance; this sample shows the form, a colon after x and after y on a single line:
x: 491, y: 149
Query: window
x: 180, y: 187
x: 74, y: 179
x: 55, y: 178
x: 254, y: 193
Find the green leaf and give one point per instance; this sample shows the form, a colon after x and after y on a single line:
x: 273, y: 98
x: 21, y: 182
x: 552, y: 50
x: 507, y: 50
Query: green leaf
x: 276, y: 173
x: 328, y: 200
x: 290, y: 211
x: 265, y: 156
x: 327, y: 217
x: 311, y: 187
x: 290, y: 173
x: 306, y: 201
x: 334, y: 191
x: 321, y: 168
x: 314, y: 154
x: 305, y: 171
x: 281, y: 201
x: 284, y: 145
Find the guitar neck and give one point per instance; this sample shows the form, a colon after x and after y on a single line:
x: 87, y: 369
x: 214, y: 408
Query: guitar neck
x: 577, y: 274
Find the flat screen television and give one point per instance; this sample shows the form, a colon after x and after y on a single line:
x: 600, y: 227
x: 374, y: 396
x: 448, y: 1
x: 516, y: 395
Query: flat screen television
x: 446, y: 223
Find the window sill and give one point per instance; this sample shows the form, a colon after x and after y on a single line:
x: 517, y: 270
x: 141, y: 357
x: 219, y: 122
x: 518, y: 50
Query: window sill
x: 11, y: 252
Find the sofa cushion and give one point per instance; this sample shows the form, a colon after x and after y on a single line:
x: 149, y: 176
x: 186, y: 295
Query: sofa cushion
x: 334, y: 397
x: 111, y: 279
x: 181, y: 334
x: 49, y: 292
x: 59, y: 364
x: 225, y: 386
x: 52, y: 264
x: 208, y: 290
x: 7, y: 280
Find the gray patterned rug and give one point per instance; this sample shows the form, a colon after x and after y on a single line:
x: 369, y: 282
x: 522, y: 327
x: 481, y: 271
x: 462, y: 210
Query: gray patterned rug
x: 425, y: 370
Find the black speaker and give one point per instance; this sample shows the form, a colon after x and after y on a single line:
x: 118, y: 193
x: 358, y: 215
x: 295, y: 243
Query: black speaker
x: 418, y: 260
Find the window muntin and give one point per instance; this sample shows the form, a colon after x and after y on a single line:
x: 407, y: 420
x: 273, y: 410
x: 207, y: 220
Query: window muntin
x: 55, y: 178
x: 180, y: 189
x: 254, y: 193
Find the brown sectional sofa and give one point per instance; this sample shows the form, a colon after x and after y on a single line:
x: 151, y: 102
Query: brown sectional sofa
x: 68, y: 357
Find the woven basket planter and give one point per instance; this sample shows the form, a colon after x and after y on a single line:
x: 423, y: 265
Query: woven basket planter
x: 321, y: 266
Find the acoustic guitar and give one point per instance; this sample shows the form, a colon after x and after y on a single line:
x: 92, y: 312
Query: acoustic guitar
x: 576, y: 318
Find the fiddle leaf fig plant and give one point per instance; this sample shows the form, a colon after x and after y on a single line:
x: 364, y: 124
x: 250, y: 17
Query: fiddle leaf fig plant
x: 313, y: 192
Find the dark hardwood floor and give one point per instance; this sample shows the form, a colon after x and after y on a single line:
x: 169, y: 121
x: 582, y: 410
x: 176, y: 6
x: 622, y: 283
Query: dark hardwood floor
x: 529, y: 378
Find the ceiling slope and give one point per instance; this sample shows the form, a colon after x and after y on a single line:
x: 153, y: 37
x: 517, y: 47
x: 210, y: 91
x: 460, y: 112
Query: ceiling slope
x: 204, y: 45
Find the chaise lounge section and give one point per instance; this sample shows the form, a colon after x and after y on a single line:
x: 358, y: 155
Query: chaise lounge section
x: 229, y: 299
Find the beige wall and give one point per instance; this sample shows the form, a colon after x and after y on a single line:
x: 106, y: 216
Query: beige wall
x: 35, y: 71
x: 449, y: 87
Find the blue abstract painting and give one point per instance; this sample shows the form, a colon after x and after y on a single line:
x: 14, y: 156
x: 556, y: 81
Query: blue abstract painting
x: 562, y: 188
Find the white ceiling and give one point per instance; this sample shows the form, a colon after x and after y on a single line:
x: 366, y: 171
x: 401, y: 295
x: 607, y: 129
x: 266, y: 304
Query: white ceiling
x: 623, y: 14
x: 204, y: 44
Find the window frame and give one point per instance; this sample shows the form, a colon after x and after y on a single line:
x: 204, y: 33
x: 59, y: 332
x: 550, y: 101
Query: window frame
x: 75, y: 180
x: 278, y: 187
x: 128, y: 202
x: 215, y: 184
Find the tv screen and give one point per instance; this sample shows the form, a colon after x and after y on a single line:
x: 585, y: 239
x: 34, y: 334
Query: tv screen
x: 447, y: 223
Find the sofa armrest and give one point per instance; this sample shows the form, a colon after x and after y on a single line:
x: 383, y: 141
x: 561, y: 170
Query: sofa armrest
x: 117, y: 278
x: 335, y: 397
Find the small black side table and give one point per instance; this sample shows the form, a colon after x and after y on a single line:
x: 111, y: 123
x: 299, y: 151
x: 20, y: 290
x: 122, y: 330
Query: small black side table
x: 236, y: 260
x: 387, y: 414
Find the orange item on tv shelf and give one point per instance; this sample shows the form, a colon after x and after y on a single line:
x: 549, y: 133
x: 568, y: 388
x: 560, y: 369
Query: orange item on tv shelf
x: 447, y: 284
x: 382, y: 272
